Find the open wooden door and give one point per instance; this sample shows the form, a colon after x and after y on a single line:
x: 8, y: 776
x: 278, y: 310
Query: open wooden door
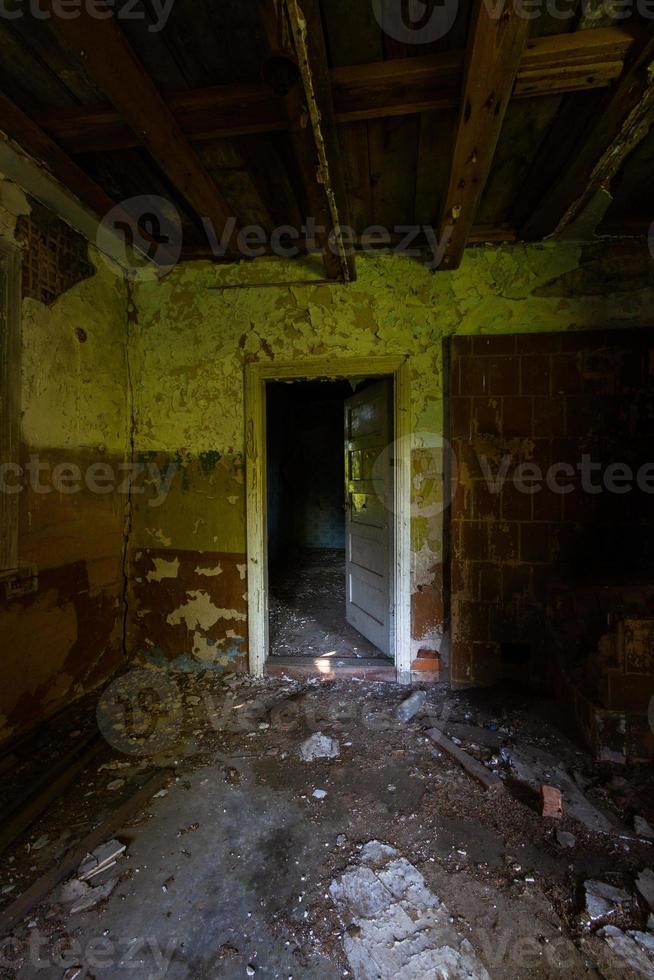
x: 369, y: 513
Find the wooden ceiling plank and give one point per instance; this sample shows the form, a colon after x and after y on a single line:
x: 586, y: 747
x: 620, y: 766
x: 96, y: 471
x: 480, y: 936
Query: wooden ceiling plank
x: 564, y: 63
x: 23, y: 131
x: 495, y: 50
x: 108, y: 59
x: 621, y: 121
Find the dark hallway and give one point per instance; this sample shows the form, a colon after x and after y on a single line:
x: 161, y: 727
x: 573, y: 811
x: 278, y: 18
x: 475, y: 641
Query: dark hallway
x: 307, y: 608
x: 306, y: 522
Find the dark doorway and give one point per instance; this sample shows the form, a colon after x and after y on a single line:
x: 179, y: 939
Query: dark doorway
x: 306, y: 521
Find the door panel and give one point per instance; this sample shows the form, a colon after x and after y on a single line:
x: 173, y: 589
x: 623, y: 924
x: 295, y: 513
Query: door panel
x: 369, y: 513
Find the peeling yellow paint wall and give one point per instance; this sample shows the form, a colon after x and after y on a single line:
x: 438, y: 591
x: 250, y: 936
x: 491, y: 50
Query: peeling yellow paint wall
x: 191, y: 337
x: 66, y: 637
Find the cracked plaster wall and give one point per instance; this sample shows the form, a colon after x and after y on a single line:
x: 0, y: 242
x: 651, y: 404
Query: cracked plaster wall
x: 66, y: 638
x: 190, y: 343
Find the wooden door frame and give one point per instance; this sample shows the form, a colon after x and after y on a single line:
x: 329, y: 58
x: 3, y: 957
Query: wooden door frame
x: 332, y: 369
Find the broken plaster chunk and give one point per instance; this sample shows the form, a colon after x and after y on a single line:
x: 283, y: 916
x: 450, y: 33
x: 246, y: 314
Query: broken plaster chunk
x: 376, y: 854
x: 552, y: 802
x: 643, y: 828
x: 604, y: 900
x: 319, y: 746
x: 565, y: 839
x: 636, y: 959
x: 401, y: 929
x: 319, y: 794
x: 645, y: 885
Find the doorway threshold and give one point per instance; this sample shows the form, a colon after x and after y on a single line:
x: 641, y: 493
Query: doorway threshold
x: 332, y: 668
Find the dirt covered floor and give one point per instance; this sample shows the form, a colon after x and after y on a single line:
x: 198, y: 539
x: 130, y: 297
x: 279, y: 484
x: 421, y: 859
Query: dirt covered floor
x: 307, y: 608
x: 380, y: 857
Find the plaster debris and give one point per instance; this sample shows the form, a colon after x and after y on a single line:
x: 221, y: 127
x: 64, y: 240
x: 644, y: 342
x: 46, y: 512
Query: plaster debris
x: 100, y: 860
x: 80, y: 896
x: 319, y: 746
x: 604, y: 900
x: 319, y: 794
x: 565, y: 839
x: 635, y: 958
x: 394, y: 926
x: 645, y: 885
x: 643, y: 828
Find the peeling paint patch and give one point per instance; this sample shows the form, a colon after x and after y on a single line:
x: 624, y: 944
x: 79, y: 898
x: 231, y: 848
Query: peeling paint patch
x: 209, y: 572
x: 198, y: 612
x: 159, y: 537
x: 163, y: 569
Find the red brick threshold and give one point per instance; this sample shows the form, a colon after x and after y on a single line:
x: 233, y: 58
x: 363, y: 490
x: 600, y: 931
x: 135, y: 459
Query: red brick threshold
x: 381, y: 669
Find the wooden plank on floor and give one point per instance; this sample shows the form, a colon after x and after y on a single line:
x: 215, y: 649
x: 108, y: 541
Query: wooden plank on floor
x: 75, y: 855
x: 21, y: 813
x: 490, y: 782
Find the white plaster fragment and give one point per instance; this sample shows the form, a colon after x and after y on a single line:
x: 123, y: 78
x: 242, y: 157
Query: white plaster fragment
x: 241, y: 570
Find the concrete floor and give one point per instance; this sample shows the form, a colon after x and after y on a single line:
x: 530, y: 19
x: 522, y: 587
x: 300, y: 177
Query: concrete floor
x: 228, y: 874
x: 307, y: 608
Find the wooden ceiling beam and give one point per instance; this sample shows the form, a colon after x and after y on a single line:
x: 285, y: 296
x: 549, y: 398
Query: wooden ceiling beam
x: 109, y: 61
x: 550, y: 65
x: 494, y: 53
x: 24, y: 132
x: 295, y: 37
x: 327, y: 175
x: 621, y: 121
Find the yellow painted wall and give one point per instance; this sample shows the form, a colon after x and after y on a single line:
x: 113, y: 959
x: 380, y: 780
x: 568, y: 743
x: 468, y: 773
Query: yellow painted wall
x: 67, y: 637
x: 193, y: 333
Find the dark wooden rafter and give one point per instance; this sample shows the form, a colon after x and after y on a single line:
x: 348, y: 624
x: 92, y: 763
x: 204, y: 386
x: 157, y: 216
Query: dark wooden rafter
x: 620, y: 122
x: 108, y: 59
x: 307, y: 111
x: 37, y: 144
x: 306, y: 26
x: 496, y: 46
x: 550, y: 65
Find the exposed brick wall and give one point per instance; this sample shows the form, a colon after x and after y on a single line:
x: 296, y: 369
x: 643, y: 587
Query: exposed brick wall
x: 542, y: 399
